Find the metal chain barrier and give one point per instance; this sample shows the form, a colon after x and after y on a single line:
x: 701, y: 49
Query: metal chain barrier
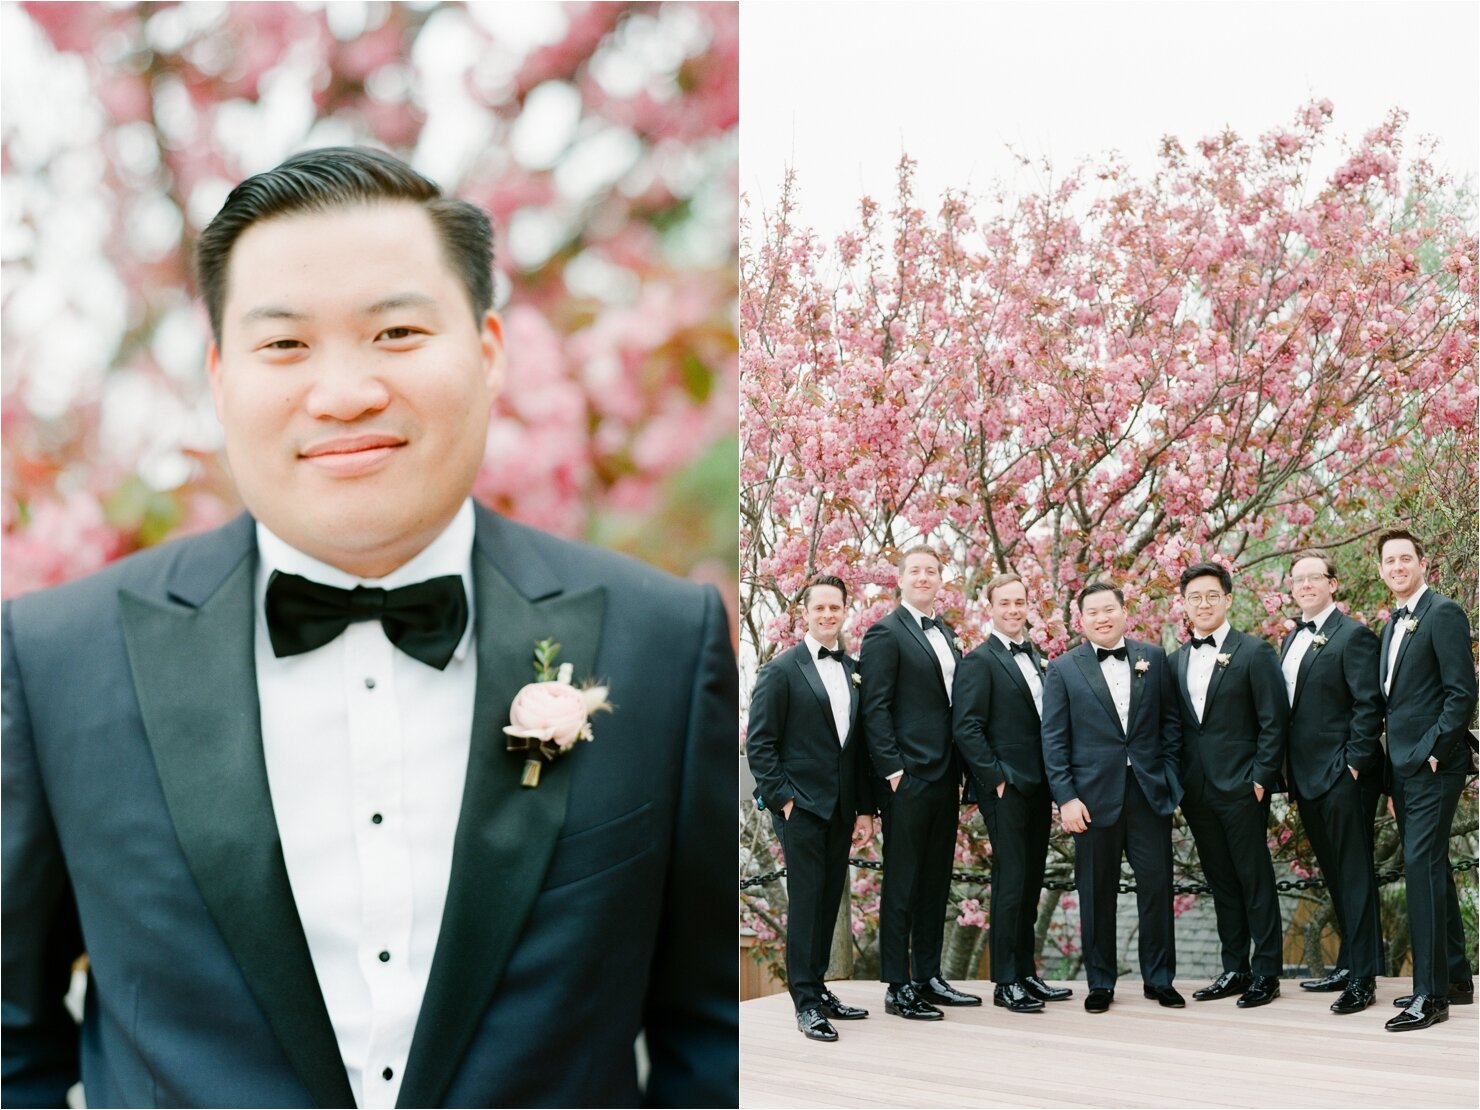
x: 983, y: 878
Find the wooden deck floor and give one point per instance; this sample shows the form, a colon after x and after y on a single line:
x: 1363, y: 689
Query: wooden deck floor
x: 1291, y: 1053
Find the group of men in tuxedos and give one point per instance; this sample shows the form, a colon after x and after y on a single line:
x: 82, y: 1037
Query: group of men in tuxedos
x: 1118, y: 735
x: 260, y: 777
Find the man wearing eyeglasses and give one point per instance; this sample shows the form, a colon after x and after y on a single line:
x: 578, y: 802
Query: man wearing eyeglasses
x: 1234, y: 718
x: 1330, y: 667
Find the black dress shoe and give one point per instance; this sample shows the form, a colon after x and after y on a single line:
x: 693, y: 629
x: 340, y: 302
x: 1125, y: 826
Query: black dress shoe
x: 1098, y: 999
x: 835, y: 1008
x: 906, y: 1003
x: 1230, y: 982
x: 1167, y: 996
x: 1361, y: 992
x: 1039, y: 989
x: 940, y: 992
x: 1460, y: 994
x: 1335, y: 981
x: 1016, y: 998
x: 1262, y: 991
x: 1421, y: 1013
x: 811, y: 1022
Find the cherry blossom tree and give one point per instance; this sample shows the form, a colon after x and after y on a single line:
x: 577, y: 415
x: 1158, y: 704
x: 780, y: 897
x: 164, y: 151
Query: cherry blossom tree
x: 1114, y: 375
x: 601, y: 138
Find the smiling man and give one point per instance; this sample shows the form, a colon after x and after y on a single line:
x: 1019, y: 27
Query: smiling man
x: 1335, y: 758
x: 1234, y: 722
x: 996, y: 710
x: 1111, y: 738
x: 805, y: 749
x: 1428, y: 678
x: 261, y: 776
x: 907, y: 665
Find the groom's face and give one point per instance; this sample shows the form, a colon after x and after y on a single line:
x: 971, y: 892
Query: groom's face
x: 353, y: 382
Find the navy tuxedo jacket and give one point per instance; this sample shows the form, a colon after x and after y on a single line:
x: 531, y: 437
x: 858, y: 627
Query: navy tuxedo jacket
x: 792, y: 741
x: 1432, y: 696
x: 1084, y: 747
x: 1241, y: 738
x: 906, y: 711
x: 138, y: 827
x: 1336, y: 717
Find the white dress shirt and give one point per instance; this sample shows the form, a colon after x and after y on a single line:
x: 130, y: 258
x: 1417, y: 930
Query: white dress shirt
x: 1200, y: 664
x: 1026, y: 664
x: 1117, y: 674
x: 1303, y: 641
x: 937, y: 640
x: 1398, y: 632
x: 367, y: 753
x: 835, y: 680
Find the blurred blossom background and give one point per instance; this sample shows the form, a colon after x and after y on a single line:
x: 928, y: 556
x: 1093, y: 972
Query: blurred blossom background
x: 600, y: 137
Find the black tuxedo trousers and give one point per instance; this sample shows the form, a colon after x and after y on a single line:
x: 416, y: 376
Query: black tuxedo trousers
x: 1145, y: 838
x: 1018, y: 824
x: 816, y: 870
x: 919, y: 844
x: 1424, y: 803
x: 1232, y: 839
x: 1340, y: 824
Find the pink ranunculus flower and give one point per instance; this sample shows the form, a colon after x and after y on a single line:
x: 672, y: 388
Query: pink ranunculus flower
x: 553, y: 711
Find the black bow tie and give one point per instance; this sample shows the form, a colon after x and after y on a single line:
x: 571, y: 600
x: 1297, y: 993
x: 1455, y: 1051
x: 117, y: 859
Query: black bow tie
x: 1306, y: 624
x: 831, y: 653
x: 1023, y: 648
x: 1400, y: 612
x: 1105, y: 653
x: 927, y: 623
x: 425, y: 620
x: 1205, y: 641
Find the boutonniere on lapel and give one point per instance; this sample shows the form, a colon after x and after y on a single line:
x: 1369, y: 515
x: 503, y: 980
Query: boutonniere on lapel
x: 1223, y: 659
x: 956, y: 643
x: 857, y: 679
x: 1410, y: 623
x: 1318, y: 641
x: 1142, y: 666
x: 1043, y: 663
x: 550, y: 714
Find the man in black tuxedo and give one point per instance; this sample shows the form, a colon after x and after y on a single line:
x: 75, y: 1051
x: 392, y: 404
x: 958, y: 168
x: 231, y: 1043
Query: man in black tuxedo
x: 804, y: 749
x: 996, y: 707
x: 1428, y: 678
x: 907, y: 664
x: 1112, y: 734
x: 1234, y: 717
x: 1335, y: 767
x: 263, y: 772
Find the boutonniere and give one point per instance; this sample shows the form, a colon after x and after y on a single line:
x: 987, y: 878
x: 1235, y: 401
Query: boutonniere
x: 1223, y: 659
x: 1410, y: 623
x: 1142, y: 666
x: 857, y: 679
x: 956, y: 643
x: 1318, y: 641
x: 550, y: 714
x: 1042, y: 663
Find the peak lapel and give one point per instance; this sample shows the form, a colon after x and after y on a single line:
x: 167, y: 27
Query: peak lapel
x: 1089, y: 667
x: 1184, y: 654
x: 506, y: 833
x: 908, y: 620
x: 808, y: 666
x: 205, y: 733
x: 1009, y: 664
x: 1407, y: 642
x: 1231, y: 643
x: 1331, y: 629
x: 1134, y: 654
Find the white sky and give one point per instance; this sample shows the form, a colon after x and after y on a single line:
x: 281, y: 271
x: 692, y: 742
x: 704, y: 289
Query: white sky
x: 840, y: 90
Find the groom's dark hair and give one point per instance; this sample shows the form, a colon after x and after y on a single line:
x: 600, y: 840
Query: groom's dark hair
x: 335, y: 177
x: 825, y: 580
